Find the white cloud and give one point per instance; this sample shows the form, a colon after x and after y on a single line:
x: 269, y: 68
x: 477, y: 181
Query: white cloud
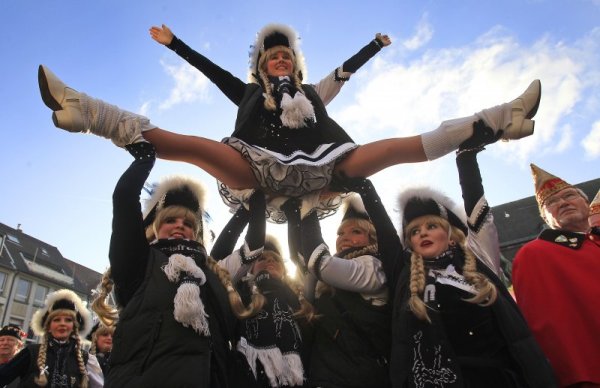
x: 591, y: 143
x: 422, y: 35
x: 408, y: 98
x: 190, y: 85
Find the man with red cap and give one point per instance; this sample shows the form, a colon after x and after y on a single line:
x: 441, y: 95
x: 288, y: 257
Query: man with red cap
x: 555, y: 279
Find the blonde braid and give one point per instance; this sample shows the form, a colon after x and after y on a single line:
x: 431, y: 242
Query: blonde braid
x: 41, y: 379
x: 306, y: 310
x: 107, y: 313
x: 79, y: 353
x: 269, y: 103
x: 486, y: 290
x: 417, y: 286
x: 237, y: 306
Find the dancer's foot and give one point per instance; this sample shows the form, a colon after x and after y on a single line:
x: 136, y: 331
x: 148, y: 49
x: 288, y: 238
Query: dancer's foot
x: 514, y: 118
x: 524, y: 108
x: 77, y: 112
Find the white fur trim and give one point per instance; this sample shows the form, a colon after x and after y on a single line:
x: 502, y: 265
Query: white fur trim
x: 257, y: 48
x: 174, y: 182
x: 426, y: 192
x: 38, y: 326
x: 354, y: 202
x: 296, y: 110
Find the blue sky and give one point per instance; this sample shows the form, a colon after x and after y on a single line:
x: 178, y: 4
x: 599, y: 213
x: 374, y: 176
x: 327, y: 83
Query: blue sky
x: 448, y: 59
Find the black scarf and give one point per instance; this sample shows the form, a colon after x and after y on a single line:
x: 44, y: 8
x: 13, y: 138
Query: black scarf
x: 61, y: 373
x: 274, y: 326
x: 190, y: 248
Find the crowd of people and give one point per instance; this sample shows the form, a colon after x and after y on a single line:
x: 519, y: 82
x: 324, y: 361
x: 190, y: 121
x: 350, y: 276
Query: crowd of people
x: 423, y: 306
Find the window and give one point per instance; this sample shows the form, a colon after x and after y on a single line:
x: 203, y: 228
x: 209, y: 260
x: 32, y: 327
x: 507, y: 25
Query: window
x: 40, y: 295
x: 13, y: 238
x: 3, y: 277
x: 23, y: 289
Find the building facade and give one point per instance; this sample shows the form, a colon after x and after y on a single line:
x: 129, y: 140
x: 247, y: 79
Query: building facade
x: 29, y: 270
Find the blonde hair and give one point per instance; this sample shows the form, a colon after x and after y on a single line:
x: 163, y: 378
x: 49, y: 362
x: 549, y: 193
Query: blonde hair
x: 174, y: 211
x: 109, y: 314
x: 306, y: 310
x: 102, y: 330
x: 486, y: 290
x: 363, y: 224
x: 270, y: 103
x: 41, y: 380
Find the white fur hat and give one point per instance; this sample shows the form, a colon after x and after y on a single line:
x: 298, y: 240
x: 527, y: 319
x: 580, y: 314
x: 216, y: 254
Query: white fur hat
x: 178, y: 190
x: 62, y: 302
x: 420, y: 201
x: 270, y: 36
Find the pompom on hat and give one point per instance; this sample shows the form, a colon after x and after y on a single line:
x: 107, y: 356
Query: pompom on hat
x: 546, y: 185
x: 178, y: 190
x: 273, y: 35
x: 62, y: 302
x: 13, y: 331
x: 353, y: 208
x: 423, y: 201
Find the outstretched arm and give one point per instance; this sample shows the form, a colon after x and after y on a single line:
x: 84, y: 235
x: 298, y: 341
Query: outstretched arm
x: 330, y: 86
x: 483, y: 236
x: 129, y: 249
x: 230, y: 85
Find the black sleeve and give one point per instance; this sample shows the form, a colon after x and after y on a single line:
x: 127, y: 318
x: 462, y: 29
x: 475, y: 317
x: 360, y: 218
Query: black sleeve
x: 388, y: 242
x: 291, y: 208
x: 470, y: 179
x: 225, y: 243
x: 16, y: 367
x: 230, y: 85
x: 360, y: 58
x: 255, y: 237
x: 129, y: 248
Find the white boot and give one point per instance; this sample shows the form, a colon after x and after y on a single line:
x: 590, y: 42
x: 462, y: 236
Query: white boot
x: 78, y: 112
x: 513, y: 118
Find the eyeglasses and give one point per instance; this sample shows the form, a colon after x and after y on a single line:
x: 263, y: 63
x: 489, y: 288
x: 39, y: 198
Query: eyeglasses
x: 569, y: 196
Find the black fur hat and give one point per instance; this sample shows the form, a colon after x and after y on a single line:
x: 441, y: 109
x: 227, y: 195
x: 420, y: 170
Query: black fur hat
x: 421, y: 201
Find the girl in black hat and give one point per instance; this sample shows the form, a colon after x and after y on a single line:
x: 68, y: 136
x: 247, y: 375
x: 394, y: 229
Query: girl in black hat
x: 284, y: 141
x: 270, y: 345
x: 101, y: 338
x: 454, y: 324
x: 59, y: 360
x: 175, y: 325
x: 348, y: 343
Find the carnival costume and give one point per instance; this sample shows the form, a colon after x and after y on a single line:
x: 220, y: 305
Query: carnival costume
x: 293, y: 159
x: 464, y: 343
x: 157, y: 341
x: 64, y: 364
x: 349, y: 342
x: 270, y: 343
x: 555, y: 278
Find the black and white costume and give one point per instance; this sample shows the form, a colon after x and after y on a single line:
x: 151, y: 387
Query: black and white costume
x: 62, y: 369
x: 270, y: 343
x: 349, y: 342
x: 465, y: 345
x: 151, y: 346
x: 289, y: 161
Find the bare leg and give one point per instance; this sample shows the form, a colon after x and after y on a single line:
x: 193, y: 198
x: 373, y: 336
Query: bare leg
x: 371, y: 158
x: 218, y: 159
